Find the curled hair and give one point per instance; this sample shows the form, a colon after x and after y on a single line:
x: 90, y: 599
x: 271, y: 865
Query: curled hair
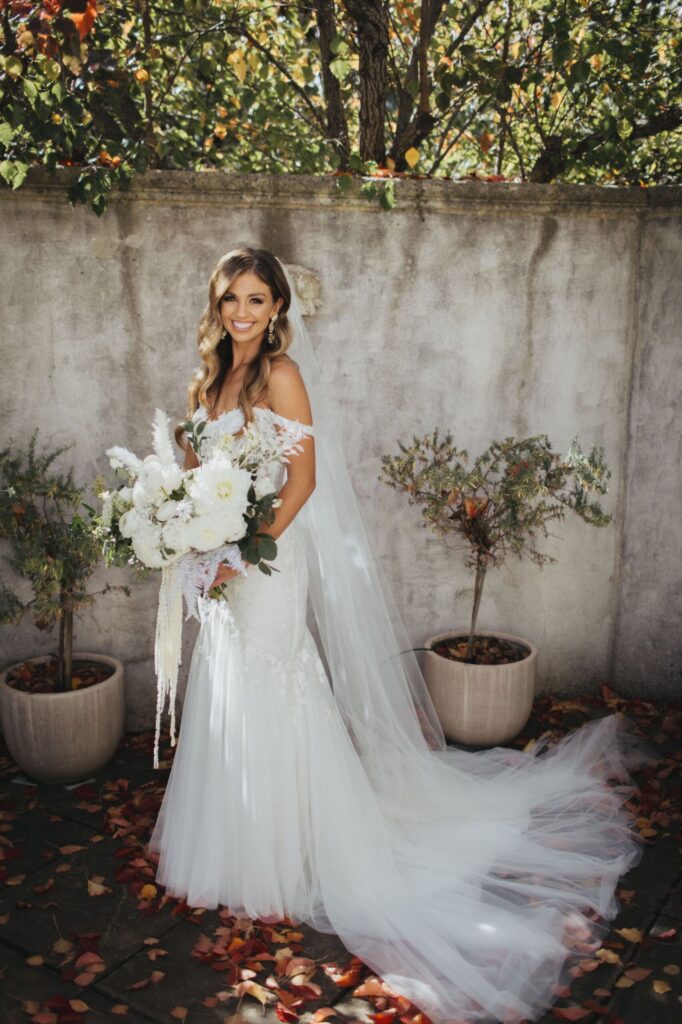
x: 215, y: 342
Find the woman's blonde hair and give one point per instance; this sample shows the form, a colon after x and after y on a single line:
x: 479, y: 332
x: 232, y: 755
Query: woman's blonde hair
x: 215, y: 342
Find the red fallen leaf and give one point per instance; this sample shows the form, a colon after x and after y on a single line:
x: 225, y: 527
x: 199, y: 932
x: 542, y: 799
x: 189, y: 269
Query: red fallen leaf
x: 372, y: 986
x: 142, y: 983
x: 638, y: 973
x: 57, y: 1003
x: 385, y: 1017
x: 570, y: 1012
x: 348, y: 978
x: 669, y: 933
x: 85, y: 978
x: 179, y: 1012
x: 45, y: 887
x: 307, y: 989
x: 88, y: 958
x: 45, y: 1018
x: 119, y: 1008
x: 284, y: 1014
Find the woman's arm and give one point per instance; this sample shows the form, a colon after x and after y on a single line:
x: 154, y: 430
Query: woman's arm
x: 191, y: 460
x: 289, y: 398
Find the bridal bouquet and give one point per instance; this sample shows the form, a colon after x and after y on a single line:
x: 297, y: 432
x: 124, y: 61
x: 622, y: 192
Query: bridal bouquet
x: 186, y: 522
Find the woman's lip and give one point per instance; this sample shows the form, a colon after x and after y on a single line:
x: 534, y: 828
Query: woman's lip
x: 235, y: 323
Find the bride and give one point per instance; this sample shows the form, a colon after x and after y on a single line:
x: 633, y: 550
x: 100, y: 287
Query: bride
x: 471, y: 882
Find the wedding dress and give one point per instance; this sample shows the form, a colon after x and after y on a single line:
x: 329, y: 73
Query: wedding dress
x: 471, y: 882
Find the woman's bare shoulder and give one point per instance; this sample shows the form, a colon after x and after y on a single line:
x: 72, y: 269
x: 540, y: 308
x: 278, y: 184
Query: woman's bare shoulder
x: 287, y: 394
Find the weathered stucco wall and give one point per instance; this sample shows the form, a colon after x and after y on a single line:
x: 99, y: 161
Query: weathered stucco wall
x: 485, y: 309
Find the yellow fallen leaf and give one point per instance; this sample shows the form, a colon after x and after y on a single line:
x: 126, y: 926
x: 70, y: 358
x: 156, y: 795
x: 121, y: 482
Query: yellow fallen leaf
x: 179, y: 1012
x: 157, y: 976
x: 4, y: 918
x: 119, y: 1008
x: 96, y: 888
x: 660, y: 987
x: 62, y: 946
x: 148, y: 892
x: 70, y: 849
x: 16, y: 879
x: 85, y: 978
x: 608, y: 956
x: 671, y: 969
x: 35, y: 961
x: 624, y: 983
x: 630, y: 934
x: 252, y: 988
x: 78, y: 1005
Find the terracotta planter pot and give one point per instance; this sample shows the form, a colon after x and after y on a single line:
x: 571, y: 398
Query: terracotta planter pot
x: 64, y: 737
x: 480, y: 705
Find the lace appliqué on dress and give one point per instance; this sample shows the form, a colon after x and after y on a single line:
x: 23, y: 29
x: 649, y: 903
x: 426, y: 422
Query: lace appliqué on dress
x: 291, y: 676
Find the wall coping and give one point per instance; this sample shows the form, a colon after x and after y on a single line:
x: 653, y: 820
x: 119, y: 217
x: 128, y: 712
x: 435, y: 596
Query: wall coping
x: 310, y: 191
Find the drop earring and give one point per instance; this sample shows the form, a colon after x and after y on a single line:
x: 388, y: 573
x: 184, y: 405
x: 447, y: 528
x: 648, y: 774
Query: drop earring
x: 272, y: 341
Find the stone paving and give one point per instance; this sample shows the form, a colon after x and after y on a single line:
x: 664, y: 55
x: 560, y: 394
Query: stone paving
x: 85, y: 935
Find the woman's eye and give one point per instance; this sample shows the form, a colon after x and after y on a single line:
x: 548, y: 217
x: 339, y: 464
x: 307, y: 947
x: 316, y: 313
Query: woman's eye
x: 229, y: 298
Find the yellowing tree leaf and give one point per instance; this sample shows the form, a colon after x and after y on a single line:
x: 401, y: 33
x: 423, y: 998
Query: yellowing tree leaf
x: 411, y: 156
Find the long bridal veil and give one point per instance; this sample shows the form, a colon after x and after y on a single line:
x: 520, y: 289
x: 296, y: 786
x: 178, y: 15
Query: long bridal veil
x: 474, y: 880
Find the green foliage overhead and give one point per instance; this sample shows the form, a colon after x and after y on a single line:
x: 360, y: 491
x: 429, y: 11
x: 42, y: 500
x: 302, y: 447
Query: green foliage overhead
x: 578, y: 92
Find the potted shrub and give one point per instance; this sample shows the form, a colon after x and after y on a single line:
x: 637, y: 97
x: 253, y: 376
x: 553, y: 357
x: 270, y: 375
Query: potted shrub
x: 62, y: 713
x: 483, y: 683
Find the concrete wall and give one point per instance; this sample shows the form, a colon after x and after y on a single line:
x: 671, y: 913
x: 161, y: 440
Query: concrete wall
x: 485, y: 309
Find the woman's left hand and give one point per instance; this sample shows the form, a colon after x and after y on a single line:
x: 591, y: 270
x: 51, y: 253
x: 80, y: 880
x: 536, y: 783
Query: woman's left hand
x: 224, y: 574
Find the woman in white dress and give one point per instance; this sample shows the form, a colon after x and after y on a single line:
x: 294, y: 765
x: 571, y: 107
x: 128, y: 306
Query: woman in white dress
x: 471, y: 882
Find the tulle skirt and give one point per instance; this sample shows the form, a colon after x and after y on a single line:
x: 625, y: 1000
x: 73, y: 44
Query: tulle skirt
x: 471, y: 882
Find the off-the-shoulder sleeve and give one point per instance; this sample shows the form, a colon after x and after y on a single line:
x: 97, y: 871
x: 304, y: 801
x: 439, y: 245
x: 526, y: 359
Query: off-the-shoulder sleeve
x: 306, y: 428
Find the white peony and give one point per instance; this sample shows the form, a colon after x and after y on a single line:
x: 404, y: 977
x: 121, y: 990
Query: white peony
x: 132, y: 522
x: 175, y: 536
x: 205, y: 532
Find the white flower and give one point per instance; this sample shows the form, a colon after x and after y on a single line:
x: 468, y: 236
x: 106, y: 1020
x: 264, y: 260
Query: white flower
x: 219, y: 487
x: 175, y: 535
x: 206, y: 532
x: 132, y: 522
x: 147, y: 545
x: 167, y: 510
x: 263, y: 484
x: 121, y: 458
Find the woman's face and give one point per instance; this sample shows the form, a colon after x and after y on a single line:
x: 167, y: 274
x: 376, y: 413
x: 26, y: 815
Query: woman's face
x: 247, y: 306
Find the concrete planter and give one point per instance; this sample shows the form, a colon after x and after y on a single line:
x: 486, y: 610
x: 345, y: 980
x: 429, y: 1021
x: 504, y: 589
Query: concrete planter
x: 64, y: 737
x: 480, y: 705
